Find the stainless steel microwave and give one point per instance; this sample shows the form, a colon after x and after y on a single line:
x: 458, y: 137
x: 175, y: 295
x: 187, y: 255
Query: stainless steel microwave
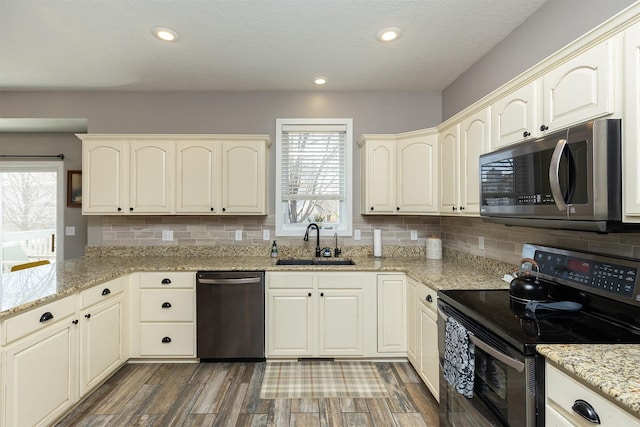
x: 570, y: 179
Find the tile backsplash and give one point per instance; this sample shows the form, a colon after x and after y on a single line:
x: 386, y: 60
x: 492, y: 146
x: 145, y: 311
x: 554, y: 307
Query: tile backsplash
x: 460, y: 234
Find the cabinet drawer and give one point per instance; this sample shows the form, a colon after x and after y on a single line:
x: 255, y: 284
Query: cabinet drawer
x: 166, y: 306
x: 38, y: 318
x: 340, y: 280
x: 562, y: 391
x: 167, y: 280
x: 428, y: 297
x: 167, y: 339
x: 101, y: 292
x: 290, y: 280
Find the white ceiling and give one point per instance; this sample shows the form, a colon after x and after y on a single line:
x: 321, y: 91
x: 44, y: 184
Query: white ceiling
x: 248, y: 44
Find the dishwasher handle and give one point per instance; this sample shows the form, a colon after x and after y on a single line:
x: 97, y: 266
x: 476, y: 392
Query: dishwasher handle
x: 235, y: 281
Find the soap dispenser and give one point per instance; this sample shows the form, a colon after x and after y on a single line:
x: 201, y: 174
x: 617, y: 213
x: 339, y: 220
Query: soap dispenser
x: 274, y: 250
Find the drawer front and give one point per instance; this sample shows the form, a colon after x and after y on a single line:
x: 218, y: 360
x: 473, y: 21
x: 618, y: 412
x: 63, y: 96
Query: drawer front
x: 340, y: 280
x: 167, y: 306
x: 39, y: 318
x: 168, y: 280
x: 290, y: 280
x: 428, y: 297
x: 102, y: 292
x: 167, y: 339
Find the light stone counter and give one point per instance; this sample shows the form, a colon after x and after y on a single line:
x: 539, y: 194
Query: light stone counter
x: 612, y: 370
x: 26, y: 289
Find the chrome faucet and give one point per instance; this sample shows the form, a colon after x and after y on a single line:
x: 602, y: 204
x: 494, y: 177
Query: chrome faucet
x: 306, y: 237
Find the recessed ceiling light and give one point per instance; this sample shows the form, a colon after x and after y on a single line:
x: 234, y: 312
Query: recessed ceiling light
x: 320, y: 80
x: 165, y: 34
x: 388, y: 34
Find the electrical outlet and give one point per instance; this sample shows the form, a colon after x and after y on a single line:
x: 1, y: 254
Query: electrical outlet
x: 266, y: 234
x: 481, y: 242
x: 356, y: 234
x: 238, y: 234
x: 167, y: 235
x: 414, y: 234
x: 70, y: 231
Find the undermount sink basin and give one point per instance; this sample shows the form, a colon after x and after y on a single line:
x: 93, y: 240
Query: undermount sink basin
x: 315, y: 262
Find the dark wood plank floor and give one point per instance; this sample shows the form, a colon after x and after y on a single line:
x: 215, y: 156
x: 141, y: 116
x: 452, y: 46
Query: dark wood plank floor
x: 228, y: 394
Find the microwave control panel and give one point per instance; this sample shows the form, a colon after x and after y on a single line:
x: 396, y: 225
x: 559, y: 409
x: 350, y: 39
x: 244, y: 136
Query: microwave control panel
x: 615, y: 280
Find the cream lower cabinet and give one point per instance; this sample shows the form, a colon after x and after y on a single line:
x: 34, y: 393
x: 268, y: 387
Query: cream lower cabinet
x: 428, y: 336
x: 163, y: 316
x: 562, y: 391
x: 40, y: 364
x: 392, y: 323
x: 315, y: 314
x: 104, y: 329
x: 412, y: 321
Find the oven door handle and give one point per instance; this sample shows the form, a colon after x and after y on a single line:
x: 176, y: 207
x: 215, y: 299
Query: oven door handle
x: 554, y: 175
x: 507, y: 360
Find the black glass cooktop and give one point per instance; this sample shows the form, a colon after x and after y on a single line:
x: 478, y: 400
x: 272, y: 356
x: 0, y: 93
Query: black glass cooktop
x: 495, y: 311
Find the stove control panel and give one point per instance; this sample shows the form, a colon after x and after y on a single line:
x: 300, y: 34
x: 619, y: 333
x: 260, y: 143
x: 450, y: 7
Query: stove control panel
x: 613, y: 279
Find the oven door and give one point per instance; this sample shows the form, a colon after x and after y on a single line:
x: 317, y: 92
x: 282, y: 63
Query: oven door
x: 504, y: 382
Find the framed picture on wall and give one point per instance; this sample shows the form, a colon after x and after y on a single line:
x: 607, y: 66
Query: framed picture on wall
x: 74, y: 189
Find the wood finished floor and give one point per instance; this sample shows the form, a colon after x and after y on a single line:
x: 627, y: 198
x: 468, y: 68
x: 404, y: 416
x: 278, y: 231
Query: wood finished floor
x: 228, y: 394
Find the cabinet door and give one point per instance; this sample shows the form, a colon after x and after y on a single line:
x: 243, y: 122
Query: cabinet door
x: 416, y: 172
x: 515, y: 117
x: 449, y: 170
x: 290, y: 323
x: 474, y: 140
x: 429, y: 365
x: 152, y: 177
x: 197, y: 177
x: 105, y: 177
x: 631, y: 123
x: 102, y: 342
x: 341, y: 322
x: 412, y: 322
x: 392, y: 311
x: 379, y: 178
x: 41, y: 382
x: 580, y: 89
x: 243, y: 177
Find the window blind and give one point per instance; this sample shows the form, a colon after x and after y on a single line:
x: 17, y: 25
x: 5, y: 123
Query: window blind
x: 313, y: 162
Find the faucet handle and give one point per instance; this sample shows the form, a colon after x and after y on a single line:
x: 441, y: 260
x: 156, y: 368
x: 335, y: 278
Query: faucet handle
x: 337, y: 252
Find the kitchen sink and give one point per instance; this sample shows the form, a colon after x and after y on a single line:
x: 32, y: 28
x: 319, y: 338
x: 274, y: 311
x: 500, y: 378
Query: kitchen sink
x: 315, y: 262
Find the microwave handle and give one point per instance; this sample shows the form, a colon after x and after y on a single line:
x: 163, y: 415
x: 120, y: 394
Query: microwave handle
x: 554, y: 175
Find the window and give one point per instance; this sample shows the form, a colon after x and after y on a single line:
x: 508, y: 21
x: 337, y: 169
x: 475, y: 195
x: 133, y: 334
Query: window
x: 313, y: 175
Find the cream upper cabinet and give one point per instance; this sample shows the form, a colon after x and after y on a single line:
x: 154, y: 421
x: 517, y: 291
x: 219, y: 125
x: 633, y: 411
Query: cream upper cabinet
x: 579, y: 89
x: 515, y: 116
x: 631, y: 126
x: 475, y: 139
x: 399, y: 173
x: 197, y: 177
x: 167, y: 174
x: 151, y: 177
x: 105, y: 182
x: 449, y: 175
x: 244, y: 177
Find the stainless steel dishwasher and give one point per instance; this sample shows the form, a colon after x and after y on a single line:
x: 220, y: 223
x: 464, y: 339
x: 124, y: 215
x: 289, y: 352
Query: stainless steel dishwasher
x: 230, y: 313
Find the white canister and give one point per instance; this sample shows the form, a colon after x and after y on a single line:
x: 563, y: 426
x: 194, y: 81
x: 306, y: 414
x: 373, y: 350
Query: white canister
x: 377, y: 242
x: 434, y: 248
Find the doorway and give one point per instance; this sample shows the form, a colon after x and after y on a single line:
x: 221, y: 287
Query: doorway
x: 31, y: 212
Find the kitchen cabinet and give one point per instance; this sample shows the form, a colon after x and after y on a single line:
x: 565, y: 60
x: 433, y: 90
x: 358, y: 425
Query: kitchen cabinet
x: 460, y: 148
x: 515, y: 116
x: 562, y: 391
x: 412, y: 321
x: 631, y: 126
x: 315, y: 314
x: 579, y: 89
x: 399, y: 173
x: 103, y: 332
x: 167, y: 174
x: 428, y: 337
x: 392, y: 322
x: 40, y: 364
x: 163, y: 316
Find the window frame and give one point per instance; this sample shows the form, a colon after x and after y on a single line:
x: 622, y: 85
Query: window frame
x: 346, y: 218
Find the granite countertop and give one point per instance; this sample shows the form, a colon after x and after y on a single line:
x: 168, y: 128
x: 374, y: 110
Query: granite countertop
x: 29, y: 288
x: 610, y: 369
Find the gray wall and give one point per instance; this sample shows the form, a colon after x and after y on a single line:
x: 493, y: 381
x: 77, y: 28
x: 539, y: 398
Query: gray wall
x: 54, y: 143
x: 553, y: 26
